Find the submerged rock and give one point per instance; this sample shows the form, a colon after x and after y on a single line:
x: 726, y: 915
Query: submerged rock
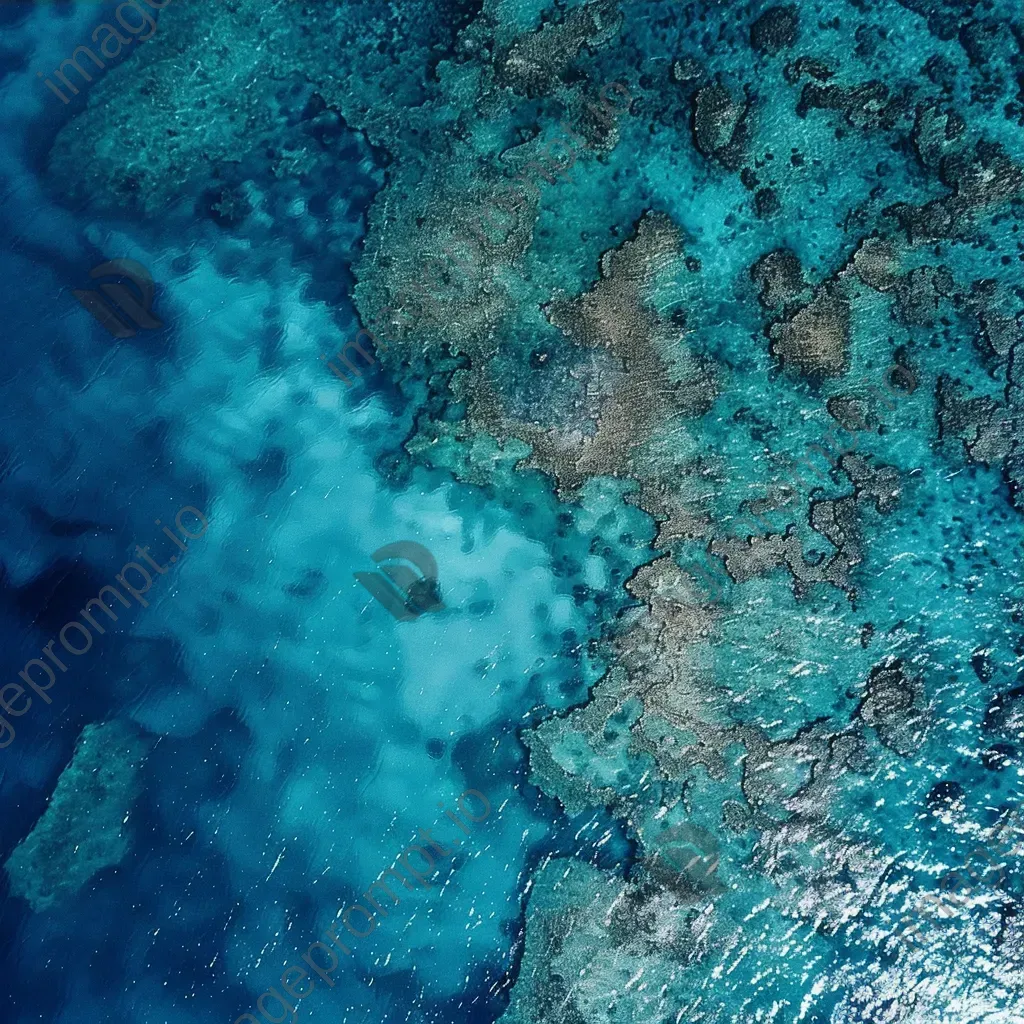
x: 775, y: 30
x: 867, y: 106
x: 631, y: 381
x: 720, y: 124
x: 1005, y: 715
x: 780, y: 278
x: 84, y: 828
x: 875, y: 263
x: 588, y: 934
x: 852, y: 413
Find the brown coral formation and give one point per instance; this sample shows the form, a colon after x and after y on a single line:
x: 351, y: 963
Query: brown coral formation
x: 868, y: 106
x: 643, y: 391
x: 445, y: 264
x: 990, y: 427
x: 441, y: 282
x: 779, y: 278
x: 979, y: 181
x: 876, y: 263
x: 534, y: 63
x: 591, y: 936
x: 775, y: 30
x: 836, y: 520
x: 851, y: 413
x: 678, y: 520
x: 816, y: 340
x: 657, y: 680
x: 892, y: 706
x: 658, y: 694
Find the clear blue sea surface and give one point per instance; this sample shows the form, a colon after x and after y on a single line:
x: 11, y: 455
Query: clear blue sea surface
x: 627, y: 630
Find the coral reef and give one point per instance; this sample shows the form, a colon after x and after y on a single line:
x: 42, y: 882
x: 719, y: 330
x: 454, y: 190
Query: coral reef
x: 768, y: 306
x: 631, y: 389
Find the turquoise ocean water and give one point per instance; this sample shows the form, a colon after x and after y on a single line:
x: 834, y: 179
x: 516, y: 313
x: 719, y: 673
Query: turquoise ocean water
x: 694, y: 372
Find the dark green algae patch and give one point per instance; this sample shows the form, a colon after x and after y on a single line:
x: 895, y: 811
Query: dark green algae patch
x: 780, y: 284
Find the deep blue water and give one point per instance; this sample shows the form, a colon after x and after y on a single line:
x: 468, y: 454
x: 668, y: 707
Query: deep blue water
x: 692, y: 365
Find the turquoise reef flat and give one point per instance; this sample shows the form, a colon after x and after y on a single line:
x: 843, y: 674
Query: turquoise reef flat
x: 609, y: 419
